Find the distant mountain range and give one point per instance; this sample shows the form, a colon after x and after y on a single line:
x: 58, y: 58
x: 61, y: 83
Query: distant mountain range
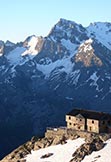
x: 43, y: 78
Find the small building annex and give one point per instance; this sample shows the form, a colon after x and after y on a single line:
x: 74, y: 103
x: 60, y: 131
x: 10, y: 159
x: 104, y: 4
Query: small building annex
x: 88, y: 120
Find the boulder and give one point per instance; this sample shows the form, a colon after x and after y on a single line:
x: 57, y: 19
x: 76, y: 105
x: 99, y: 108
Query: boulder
x: 92, y: 144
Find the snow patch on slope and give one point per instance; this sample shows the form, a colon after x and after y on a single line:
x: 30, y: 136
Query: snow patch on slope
x: 1, y: 53
x: 60, y: 153
x: 14, y: 57
x: 47, y: 69
x: 102, y: 32
x: 31, y: 46
x: 69, y: 45
x: 74, y: 77
x: 94, y: 78
x: 1, y: 47
x: 63, y: 153
x: 17, y: 56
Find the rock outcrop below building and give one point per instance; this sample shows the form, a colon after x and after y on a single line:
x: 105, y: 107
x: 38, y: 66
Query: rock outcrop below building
x: 94, y: 142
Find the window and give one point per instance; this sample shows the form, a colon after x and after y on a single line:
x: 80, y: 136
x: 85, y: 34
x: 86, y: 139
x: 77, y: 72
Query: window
x: 70, y: 124
x: 69, y: 117
x: 103, y: 122
x: 74, y: 124
x: 92, y: 121
x: 78, y: 127
x: 109, y: 122
x: 80, y: 119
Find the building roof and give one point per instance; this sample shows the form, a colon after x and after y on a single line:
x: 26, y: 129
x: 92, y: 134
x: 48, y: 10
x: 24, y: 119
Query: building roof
x: 90, y: 114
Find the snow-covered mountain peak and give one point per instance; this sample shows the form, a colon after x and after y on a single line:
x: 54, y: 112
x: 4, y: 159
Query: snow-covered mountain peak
x: 1, y: 47
x: 86, y: 54
x: 68, y: 33
x: 62, y: 22
x: 30, y: 48
x: 100, y: 25
x: 30, y: 41
x: 9, y: 44
x: 1, y: 42
x: 101, y: 31
x: 32, y: 45
x: 89, y: 41
x: 86, y: 46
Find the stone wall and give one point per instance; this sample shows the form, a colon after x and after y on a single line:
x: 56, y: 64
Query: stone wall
x: 53, y: 132
x: 72, y: 134
x: 68, y: 133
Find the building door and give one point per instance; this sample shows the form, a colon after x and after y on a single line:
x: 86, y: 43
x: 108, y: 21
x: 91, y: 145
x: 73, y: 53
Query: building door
x: 90, y: 128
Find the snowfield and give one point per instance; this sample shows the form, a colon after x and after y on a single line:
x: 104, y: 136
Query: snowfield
x: 63, y: 153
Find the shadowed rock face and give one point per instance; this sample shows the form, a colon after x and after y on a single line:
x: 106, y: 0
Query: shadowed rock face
x: 41, y: 79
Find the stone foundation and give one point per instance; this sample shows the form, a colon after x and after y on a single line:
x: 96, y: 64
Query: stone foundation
x: 72, y: 134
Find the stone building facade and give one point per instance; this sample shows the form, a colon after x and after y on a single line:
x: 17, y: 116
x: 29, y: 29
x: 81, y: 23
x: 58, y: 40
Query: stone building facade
x: 91, y: 121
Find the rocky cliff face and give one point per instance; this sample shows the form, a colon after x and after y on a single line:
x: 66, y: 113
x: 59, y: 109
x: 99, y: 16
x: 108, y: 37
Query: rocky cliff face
x: 41, y: 79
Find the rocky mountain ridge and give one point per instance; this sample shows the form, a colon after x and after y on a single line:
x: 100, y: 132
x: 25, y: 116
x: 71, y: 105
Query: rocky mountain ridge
x: 41, y: 79
x: 93, y: 142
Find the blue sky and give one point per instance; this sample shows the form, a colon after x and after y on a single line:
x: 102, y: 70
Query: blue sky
x: 21, y: 18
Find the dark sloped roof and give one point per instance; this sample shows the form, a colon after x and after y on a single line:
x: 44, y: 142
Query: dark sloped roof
x: 90, y: 114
